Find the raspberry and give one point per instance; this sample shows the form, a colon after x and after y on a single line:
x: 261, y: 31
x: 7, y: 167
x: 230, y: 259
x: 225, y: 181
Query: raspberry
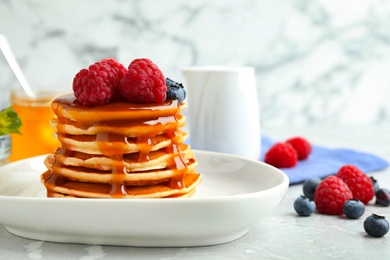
x: 120, y: 70
x: 330, y: 196
x: 301, y: 145
x: 281, y: 155
x: 118, y: 67
x: 358, y: 182
x: 94, y: 86
x: 143, y: 83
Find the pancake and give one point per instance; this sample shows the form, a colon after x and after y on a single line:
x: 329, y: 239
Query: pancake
x: 139, y: 178
x: 120, y: 150
x: 88, y: 143
x: 159, y: 159
x: 95, y: 190
x: 120, y: 127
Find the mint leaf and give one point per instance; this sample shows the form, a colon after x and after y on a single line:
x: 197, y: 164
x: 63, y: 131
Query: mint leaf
x: 10, y: 122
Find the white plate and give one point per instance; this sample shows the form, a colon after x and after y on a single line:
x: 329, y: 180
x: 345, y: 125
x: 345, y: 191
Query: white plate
x: 235, y: 194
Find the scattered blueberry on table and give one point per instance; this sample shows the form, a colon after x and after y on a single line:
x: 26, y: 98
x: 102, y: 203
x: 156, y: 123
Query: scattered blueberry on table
x: 353, y: 209
x: 375, y: 183
x: 376, y: 226
x: 382, y: 197
x: 310, y: 186
x: 304, y: 206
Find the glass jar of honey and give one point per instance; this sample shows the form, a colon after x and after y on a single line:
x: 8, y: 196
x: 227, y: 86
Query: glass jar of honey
x: 36, y: 134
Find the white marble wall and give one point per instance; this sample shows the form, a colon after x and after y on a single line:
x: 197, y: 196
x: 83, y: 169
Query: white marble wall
x: 317, y: 61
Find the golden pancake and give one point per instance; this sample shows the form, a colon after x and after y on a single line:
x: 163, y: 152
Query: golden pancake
x: 136, y: 178
x: 133, y: 162
x: 88, y: 144
x: 184, y: 195
x: 95, y: 190
x: 154, y: 126
x: 69, y: 108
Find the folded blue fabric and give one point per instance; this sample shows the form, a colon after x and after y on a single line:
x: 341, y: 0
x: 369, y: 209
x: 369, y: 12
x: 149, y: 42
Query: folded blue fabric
x: 327, y: 161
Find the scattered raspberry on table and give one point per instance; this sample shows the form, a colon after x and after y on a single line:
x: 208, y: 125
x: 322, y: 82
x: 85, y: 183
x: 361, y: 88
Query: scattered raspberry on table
x: 358, y: 182
x: 330, y: 196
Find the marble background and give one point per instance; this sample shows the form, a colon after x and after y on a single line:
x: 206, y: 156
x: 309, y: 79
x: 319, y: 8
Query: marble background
x: 321, y: 62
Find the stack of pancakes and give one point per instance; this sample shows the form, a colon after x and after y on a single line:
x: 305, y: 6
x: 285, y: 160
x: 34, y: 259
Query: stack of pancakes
x: 120, y: 150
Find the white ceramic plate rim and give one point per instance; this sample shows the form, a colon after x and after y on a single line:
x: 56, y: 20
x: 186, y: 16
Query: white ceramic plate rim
x: 206, y: 229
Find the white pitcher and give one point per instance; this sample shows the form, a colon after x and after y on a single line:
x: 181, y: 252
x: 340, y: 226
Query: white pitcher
x: 223, y: 110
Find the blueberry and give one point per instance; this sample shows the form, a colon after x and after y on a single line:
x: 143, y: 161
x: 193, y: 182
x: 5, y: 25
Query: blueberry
x: 353, y: 208
x: 375, y: 183
x: 376, y: 226
x: 304, y: 206
x: 382, y: 197
x: 310, y: 186
x: 175, y: 90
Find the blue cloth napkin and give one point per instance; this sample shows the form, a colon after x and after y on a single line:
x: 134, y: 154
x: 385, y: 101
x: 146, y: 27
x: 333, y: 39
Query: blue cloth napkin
x: 327, y: 161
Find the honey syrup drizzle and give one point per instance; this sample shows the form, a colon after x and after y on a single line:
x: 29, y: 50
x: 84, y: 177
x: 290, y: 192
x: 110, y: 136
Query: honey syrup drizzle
x: 53, y: 179
x: 113, y: 145
x: 178, y: 164
x: 145, y: 146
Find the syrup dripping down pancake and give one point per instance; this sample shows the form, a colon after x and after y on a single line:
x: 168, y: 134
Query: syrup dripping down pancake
x: 88, y: 144
x: 127, y: 127
x: 137, y: 178
x: 159, y: 159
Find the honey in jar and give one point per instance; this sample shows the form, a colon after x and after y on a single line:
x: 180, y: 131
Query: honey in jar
x: 36, y: 136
